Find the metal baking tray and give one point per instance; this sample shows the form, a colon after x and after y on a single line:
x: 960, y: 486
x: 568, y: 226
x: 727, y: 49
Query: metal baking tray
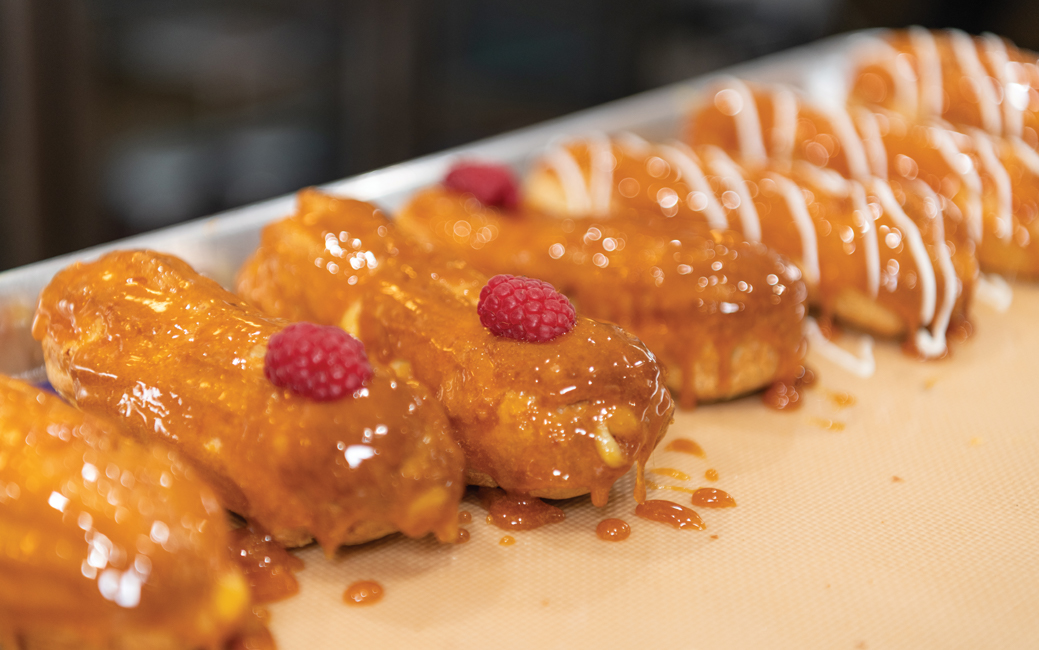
x: 896, y: 511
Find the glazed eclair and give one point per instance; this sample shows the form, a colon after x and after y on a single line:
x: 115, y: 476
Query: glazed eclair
x: 142, y: 338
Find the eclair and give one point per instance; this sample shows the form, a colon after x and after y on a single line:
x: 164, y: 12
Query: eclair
x: 107, y: 543
x: 143, y: 339
x: 555, y: 418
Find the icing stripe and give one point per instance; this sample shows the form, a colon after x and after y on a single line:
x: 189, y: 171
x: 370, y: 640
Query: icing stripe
x: 1004, y: 191
x: 962, y: 165
x: 970, y: 65
x: 858, y: 166
x: 879, y: 52
x: 684, y: 160
x: 784, y: 124
x: 562, y: 162
x: 863, y: 365
x: 748, y: 126
x: 932, y: 344
x: 795, y: 201
x: 1027, y: 155
x: 600, y: 180
x: 722, y: 165
x: 869, y: 238
x: 827, y: 179
x: 866, y: 121
x: 929, y: 64
x: 1007, y: 75
x: 631, y: 142
x: 994, y: 291
x: 911, y: 235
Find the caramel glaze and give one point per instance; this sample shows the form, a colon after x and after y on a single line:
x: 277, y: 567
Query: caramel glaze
x: 555, y: 419
x: 713, y: 498
x: 698, y: 298
x: 711, y: 475
x: 144, y: 339
x: 844, y: 256
x: 517, y: 512
x: 670, y: 513
x: 106, y: 542
x: 267, y: 566
x: 363, y: 592
x: 613, y: 530
x: 507, y: 540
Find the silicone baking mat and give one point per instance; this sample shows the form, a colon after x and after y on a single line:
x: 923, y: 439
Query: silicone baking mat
x: 898, y: 511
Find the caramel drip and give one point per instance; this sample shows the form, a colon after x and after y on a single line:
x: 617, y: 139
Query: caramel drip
x: 686, y: 446
x: 613, y: 530
x: 713, y: 498
x: 670, y: 513
x: 711, y: 475
x: 517, y: 512
x: 671, y: 472
x: 268, y: 567
x: 463, y: 536
x: 507, y: 540
x: 363, y: 592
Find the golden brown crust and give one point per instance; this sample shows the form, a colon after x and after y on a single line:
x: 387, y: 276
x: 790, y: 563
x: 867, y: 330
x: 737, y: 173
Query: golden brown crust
x: 568, y: 416
x: 144, y: 339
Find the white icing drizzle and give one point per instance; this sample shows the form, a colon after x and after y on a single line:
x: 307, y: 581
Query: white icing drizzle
x: 996, y: 53
x: 970, y: 66
x: 795, y: 201
x: 866, y: 121
x: 858, y: 166
x: 562, y: 162
x: 683, y: 159
x: 869, y: 239
x: 994, y: 291
x: 1027, y: 155
x: 1004, y: 191
x: 827, y: 179
x: 861, y: 365
x: 932, y: 344
x: 911, y: 235
x: 600, y: 179
x: 721, y: 164
x: 784, y: 124
x: 748, y: 126
x: 930, y: 71
x: 964, y: 168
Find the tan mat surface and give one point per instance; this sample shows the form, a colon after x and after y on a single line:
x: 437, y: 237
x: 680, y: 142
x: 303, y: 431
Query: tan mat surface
x: 913, y: 526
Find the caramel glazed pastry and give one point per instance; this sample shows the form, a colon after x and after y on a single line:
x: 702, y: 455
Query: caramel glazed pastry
x: 724, y: 314
x: 553, y: 419
x: 947, y: 93
x: 106, y: 543
x: 142, y: 338
x: 917, y: 240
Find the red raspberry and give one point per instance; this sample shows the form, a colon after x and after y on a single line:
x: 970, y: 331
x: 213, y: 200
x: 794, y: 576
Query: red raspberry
x: 322, y: 363
x: 492, y: 185
x: 524, y: 309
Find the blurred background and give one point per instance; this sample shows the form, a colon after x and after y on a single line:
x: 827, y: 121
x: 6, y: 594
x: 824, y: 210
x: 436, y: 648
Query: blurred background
x: 121, y: 116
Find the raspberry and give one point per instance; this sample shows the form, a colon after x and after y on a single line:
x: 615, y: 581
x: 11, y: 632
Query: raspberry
x: 492, y: 185
x: 322, y: 363
x: 524, y: 309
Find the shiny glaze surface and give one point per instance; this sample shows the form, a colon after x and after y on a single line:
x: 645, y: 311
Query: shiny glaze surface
x: 172, y: 356
x: 553, y: 419
x: 268, y: 568
x: 698, y: 298
x: 363, y: 592
x: 517, y: 512
x: 105, y: 539
x: 686, y: 446
x: 613, y: 530
x: 672, y: 514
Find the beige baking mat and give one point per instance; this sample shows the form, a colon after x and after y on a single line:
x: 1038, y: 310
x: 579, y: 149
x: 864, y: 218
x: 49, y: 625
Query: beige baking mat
x: 905, y: 520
